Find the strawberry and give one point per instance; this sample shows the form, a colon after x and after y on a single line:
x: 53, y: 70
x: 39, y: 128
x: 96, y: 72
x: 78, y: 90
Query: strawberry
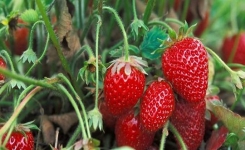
x: 129, y: 132
x: 123, y: 85
x: 20, y: 39
x: 185, y: 66
x: 233, y: 48
x: 157, y: 105
x: 2, y: 64
x: 108, y: 119
x: 189, y: 119
x: 20, y: 140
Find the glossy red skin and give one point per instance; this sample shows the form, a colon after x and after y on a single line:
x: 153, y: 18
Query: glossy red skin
x: 189, y: 120
x: 229, y: 43
x: 18, y: 141
x: 122, y: 91
x: 156, y: 106
x: 129, y: 132
x: 2, y: 64
x: 108, y: 119
x: 185, y: 66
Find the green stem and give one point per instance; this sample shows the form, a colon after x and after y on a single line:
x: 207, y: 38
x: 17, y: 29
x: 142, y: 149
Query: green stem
x: 63, y: 89
x: 18, y: 110
x: 41, y: 57
x: 31, y: 34
x: 57, y: 45
x: 9, y: 60
x: 97, y: 59
x: 111, y: 25
x: 53, y: 36
x: 178, y: 136
x: 4, y: 87
x: 23, y: 93
x: 134, y: 10
x: 220, y: 60
x: 184, y: 13
x: 11, y: 128
x: 148, y: 10
x: 64, y: 78
x: 85, y: 118
x: 120, y: 23
x: 87, y: 26
x: 25, y: 79
x: 73, y: 139
x: 175, y: 21
x: 238, y: 99
x: 164, y: 136
x: 161, y: 23
x: 233, y: 8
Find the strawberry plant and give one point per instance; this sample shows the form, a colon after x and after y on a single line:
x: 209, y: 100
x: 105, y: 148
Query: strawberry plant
x: 112, y: 74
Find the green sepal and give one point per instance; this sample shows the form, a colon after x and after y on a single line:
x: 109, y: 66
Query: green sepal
x: 30, y: 16
x: 231, y: 140
x: 29, y: 55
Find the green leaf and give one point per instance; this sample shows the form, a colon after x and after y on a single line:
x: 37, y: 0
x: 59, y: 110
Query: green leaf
x: 153, y: 41
x: 30, y: 16
x: 134, y: 49
x: 231, y: 140
x: 4, y: 31
x: 232, y: 121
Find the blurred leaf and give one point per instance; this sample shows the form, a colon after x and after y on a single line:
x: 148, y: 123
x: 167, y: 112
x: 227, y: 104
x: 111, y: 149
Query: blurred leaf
x: 232, y: 140
x: 152, y: 42
x: 30, y: 16
x: 232, y: 121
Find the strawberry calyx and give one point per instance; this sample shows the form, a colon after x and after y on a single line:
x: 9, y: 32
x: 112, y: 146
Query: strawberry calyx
x: 134, y: 61
x: 184, y: 31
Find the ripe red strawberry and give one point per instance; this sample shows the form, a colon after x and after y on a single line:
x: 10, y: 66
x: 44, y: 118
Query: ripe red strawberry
x: 123, y: 85
x: 108, y: 119
x: 20, y: 39
x: 185, y: 66
x: 20, y: 141
x: 232, y: 51
x: 129, y: 132
x: 2, y: 64
x: 189, y: 120
x: 157, y: 105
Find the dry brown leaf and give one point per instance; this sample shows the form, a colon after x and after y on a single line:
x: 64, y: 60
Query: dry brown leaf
x: 68, y: 39
x: 65, y: 121
x: 48, y: 130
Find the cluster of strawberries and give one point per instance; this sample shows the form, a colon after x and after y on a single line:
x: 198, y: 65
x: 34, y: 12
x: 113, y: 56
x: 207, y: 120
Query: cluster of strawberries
x: 179, y: 98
